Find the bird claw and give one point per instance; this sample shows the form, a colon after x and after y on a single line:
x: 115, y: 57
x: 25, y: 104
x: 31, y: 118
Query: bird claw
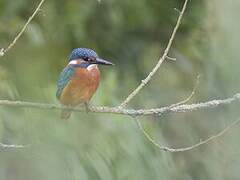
x: 87, y: 107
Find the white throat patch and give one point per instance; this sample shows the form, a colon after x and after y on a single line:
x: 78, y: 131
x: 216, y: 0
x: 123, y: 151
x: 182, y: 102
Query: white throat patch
x: 92, y: 66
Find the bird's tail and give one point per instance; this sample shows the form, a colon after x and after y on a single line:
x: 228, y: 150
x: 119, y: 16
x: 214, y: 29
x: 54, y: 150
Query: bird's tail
x: 66, y: 114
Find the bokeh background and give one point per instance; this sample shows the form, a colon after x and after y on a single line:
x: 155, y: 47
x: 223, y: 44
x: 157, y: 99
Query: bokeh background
x: 133, y: 35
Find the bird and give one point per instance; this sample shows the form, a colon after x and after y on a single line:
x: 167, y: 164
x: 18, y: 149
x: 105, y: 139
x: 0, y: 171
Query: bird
x: 79, y: 80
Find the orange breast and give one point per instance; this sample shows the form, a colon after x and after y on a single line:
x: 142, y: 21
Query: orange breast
x: 82, y: 86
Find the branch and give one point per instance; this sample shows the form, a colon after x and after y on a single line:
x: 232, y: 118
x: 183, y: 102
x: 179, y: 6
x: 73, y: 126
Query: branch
x: 7, y: 146
x: 131, y: 112
x: 4, y: 51
x: 165, y: 148
x: 189, y: 97
x: 160, y: 61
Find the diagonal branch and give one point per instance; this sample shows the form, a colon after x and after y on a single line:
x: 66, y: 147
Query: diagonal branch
x: 189, y: 97
x: 4, y: 51
x: 131, y: 112
x: 160, y: 61
x: 165, y: 148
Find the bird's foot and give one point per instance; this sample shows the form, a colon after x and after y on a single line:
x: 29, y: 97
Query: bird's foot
x: 87, y: 107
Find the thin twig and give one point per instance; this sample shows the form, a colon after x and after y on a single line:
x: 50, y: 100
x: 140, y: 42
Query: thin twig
x: 171, y: 58
x: 189, y: 97
x: 131, y: 112
x: 165, y: 148
x: 8, y: 146
x: 160, y: 61
x: 4, y: 51
x: 177, y: 10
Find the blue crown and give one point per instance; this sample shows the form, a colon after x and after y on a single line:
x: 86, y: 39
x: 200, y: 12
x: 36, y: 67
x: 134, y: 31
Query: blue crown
x: 82, y: 53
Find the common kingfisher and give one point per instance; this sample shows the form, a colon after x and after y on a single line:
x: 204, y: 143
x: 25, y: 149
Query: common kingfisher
x: 79, y: 80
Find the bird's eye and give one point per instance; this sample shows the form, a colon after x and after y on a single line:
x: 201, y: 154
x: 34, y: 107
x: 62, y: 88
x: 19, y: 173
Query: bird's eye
x: 91, y: 59
x: 87, y: 59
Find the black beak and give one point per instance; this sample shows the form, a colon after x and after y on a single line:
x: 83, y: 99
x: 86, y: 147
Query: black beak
x: 103, y: 62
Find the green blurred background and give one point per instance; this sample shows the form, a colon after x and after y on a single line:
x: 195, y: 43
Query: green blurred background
x: 133, y: 35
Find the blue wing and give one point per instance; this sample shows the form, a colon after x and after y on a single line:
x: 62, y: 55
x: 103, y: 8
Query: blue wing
x: 64, y: 78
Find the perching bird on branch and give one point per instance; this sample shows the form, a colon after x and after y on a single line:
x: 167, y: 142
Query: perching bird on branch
x: 79, y: 79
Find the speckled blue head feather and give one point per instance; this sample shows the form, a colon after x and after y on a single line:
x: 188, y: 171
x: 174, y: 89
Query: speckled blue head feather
x: 82, y: 53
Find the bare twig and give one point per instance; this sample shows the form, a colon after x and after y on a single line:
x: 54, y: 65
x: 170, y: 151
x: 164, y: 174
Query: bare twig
x: 177, y: 10
x: 165, y: 148
x: 131, y: 112
x: 160, y: 61
x: 189, y: 97
x: 4, y: 51
x: 7, y: 146
x: 171, y: 58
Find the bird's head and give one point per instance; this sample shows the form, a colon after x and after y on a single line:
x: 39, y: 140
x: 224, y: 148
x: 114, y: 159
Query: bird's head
x: 86, y: 57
